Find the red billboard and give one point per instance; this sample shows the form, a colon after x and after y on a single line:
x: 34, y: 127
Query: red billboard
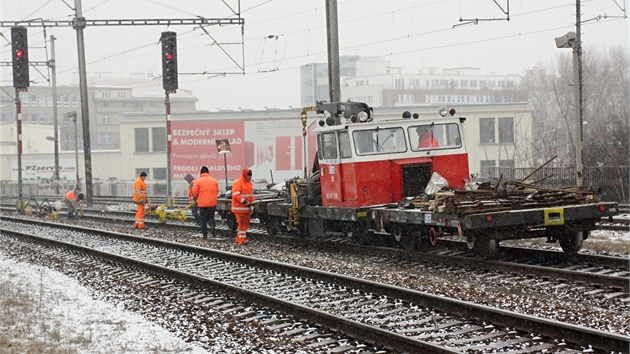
x: 194, y: 144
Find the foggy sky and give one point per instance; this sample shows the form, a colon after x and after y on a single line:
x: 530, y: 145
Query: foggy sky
x: 282, y: 35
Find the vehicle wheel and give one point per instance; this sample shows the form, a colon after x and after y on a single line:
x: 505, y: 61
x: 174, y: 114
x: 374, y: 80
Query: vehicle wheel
x: 272, y: 225
x: 409, y: 240
x: 302, y: 230
x: 571, y: 241
x: 485, y: 247
x: 360, y: 234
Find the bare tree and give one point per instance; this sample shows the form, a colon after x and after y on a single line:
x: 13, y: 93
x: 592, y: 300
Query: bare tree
x: 606, y: 84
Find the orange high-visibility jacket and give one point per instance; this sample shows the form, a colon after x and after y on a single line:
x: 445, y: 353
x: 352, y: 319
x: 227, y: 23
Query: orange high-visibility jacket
x: 206, y: 190
x: 70, y: 196
x: 139, y: 191
x: 242, y: 190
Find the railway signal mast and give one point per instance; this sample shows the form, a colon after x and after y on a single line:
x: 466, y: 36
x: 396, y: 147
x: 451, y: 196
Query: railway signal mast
x: 19, y: 54
x: 170, y: 85
x: 79, y: 23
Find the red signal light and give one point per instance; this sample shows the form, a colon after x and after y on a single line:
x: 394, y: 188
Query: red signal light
x: 19, y: 53
x: 170, y: 56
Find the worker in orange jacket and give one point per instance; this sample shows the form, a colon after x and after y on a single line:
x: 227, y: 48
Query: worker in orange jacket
x: 191, y: 198
x: 426, y: 137
x: 242, y: 199
x: 206, y: 191
x: 72, y: 199
x: 140, y: 198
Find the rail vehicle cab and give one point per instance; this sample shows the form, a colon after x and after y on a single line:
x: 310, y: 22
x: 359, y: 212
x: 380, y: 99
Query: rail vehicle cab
x: 371, y: 163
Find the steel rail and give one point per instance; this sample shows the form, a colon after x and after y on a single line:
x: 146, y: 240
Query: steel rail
x: 353, y: 328
x: 572, y: 333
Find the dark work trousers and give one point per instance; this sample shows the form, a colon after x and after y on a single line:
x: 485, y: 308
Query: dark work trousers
x: 195, y: 212
x: 206, y: 217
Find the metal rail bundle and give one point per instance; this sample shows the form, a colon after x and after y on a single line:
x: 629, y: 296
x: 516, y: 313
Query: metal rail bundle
x: 511, y: 195
x: 482, y: 200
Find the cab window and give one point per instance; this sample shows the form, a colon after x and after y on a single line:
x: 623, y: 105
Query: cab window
x: 379, y: 141
x: 434, y: 136
x: 327, y: 146
x: 344, y: 145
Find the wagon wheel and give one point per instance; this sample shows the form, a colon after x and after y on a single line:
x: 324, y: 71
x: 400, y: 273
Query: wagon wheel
x: 485, y: 247
x: 409, y: 240
x: 360, y: 234
x: 302, y: 229
x: 272, y: 225
x: 571, y: 241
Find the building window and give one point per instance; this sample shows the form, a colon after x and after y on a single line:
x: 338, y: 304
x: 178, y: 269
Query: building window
x: 405, y: 98
x: 3, y: 100
x: 42, y: 100
x: 158, y: 138
x: 3, y: 118
x: 107, y: 138
x: 464, y: 83
x: 506, y: 130
x: 59, y: 101
x: 33, y: 100
x: 142, y: 139
x: 106, y: 94
x: 399, y: 83
x: 473, y: 83
x: 75, y: 101
x: 49, y: 102
x: 486, y: 131
x: 106, y: 119
x: 66, y: 101
x: 42, y: 119
x: 122, y: 94
x: 506, y: 163
x: 159, y: 173
x: 486, y: 165
x: 24, y: 98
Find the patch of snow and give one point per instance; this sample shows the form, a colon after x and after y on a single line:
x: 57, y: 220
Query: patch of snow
x: 83, y: 324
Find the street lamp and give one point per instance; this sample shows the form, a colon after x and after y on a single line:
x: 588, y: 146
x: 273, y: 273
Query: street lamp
x: 571, y: 40
x: 224, y: 153
x: 223, y: 147
x: 55, y: 140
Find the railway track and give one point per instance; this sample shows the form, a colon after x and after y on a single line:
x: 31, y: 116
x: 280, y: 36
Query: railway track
x: 398, y: 318
x: 604, y: 274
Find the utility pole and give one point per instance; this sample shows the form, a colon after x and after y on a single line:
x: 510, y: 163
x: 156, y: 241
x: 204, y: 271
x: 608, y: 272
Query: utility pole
x: 53, y: 67
x: 85, y: 114
x: 334, y: 86
x: 79, y: 23
x: 577, y: 72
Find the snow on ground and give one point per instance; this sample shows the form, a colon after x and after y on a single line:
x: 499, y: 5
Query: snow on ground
x: 42, y: 310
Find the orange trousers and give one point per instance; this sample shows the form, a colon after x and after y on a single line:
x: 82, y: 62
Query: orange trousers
x: 242, y: 219
x: 139, y: 224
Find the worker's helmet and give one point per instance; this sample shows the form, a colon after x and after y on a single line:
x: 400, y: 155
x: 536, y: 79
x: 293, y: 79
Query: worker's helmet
x: 80, y: 196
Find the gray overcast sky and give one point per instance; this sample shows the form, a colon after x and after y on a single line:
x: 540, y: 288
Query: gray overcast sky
x: 411, y: 34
